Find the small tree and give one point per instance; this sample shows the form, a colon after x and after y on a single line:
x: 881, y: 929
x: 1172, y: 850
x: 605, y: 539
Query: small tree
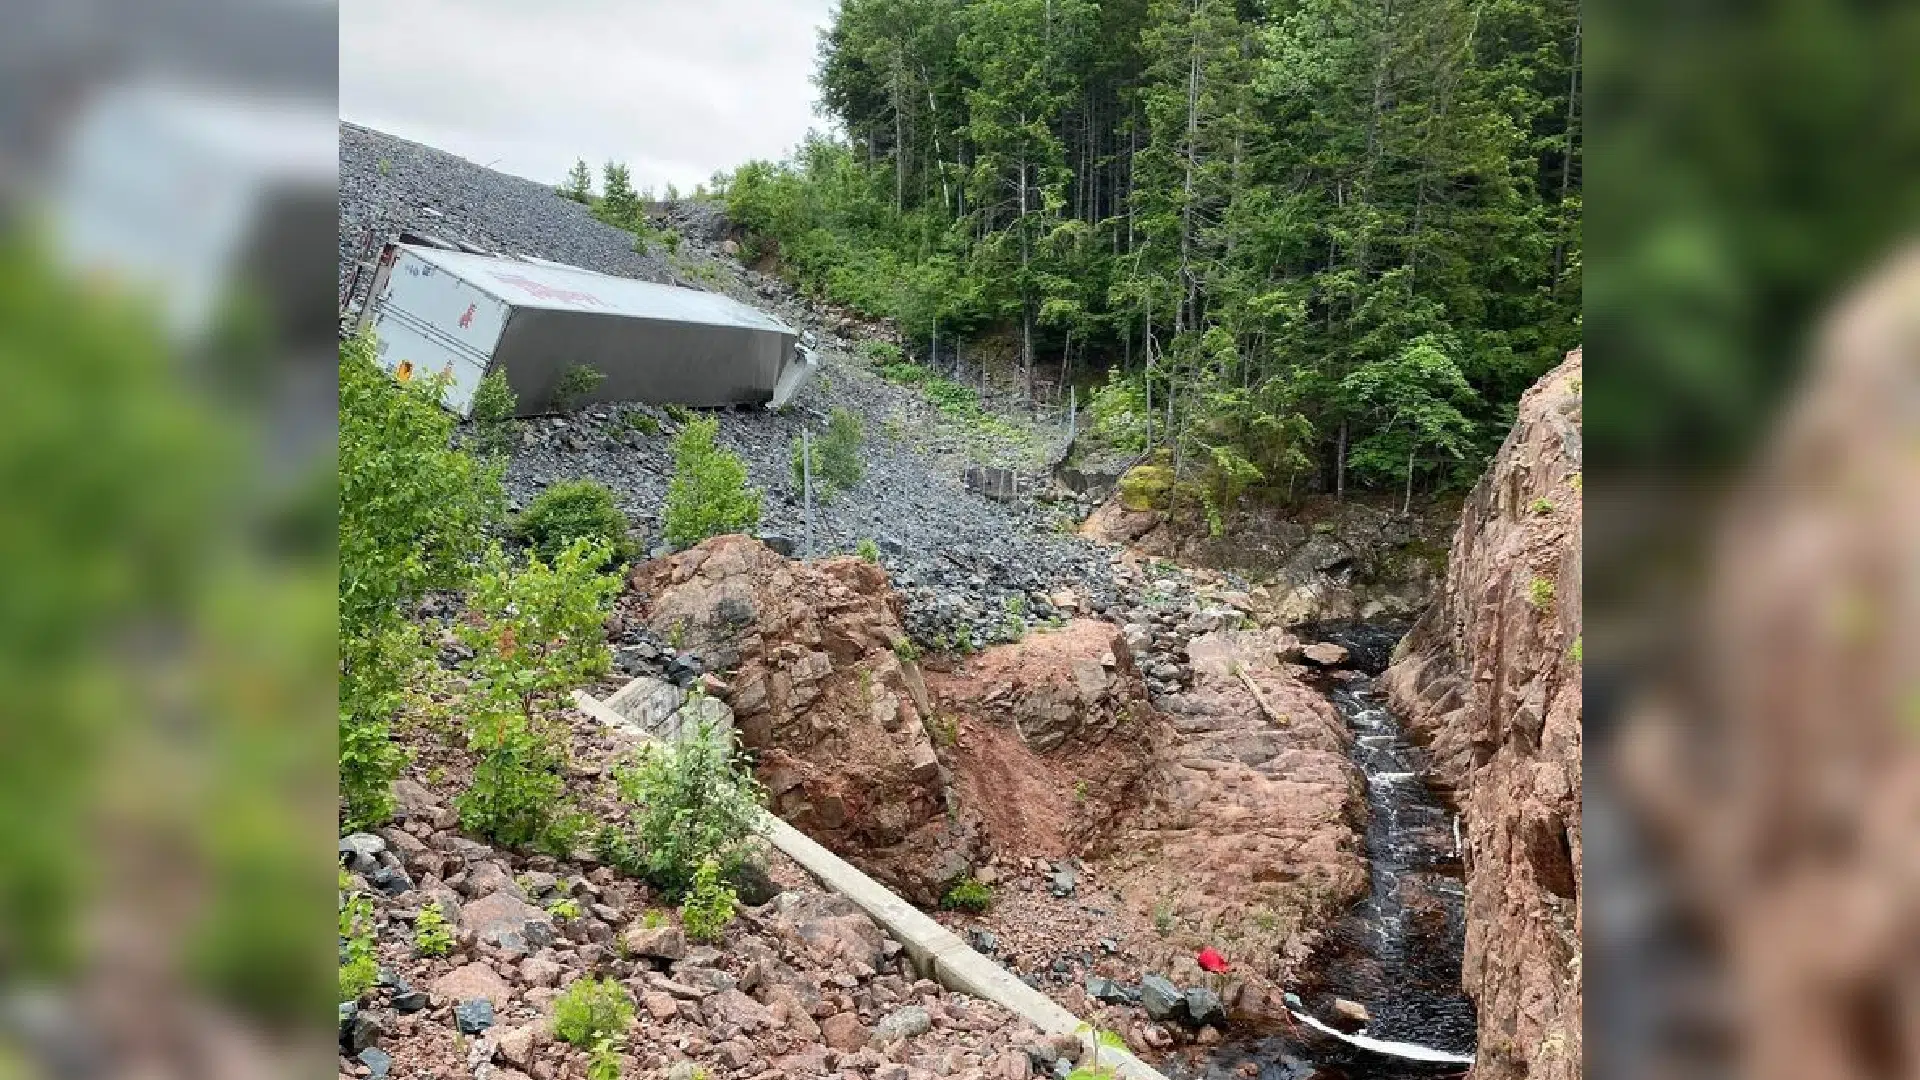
x: 1416, y: 395
x: 538, y: 633
x: 840, y: 450
x: 708, y: 495
x: 413, y: 512
x: 491, y: 419
x: 620, y: 204
x: 692, y: 803
x: 573, y: 386
x: 579, y: 183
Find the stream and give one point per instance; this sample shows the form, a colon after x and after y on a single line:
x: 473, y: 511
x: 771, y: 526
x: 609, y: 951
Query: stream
x: 1397, y: 951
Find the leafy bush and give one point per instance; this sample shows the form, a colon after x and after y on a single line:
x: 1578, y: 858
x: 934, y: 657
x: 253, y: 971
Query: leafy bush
x: 590, y: 1010
x: 359, y: 969
x: 1117, y: 412
x: 708, y: 495
x: 867, y: 550
x: 413, y: 513
x: 574, y: 510
x: 604, y: 1063
x: 491, y: 417
x: 564, y: 908
x: 880, y: 353
x: 840, y: 450
x: 968, y: 895
x: 692, y: 803
x: 538, y: 633
x: 708, y: 908
x: 1540, y: 594
x: 431, y: 934
x: 574, y: 384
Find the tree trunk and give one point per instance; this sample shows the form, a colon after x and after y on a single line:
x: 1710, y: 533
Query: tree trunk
x: 1406, y: 505
x: 1340, y: 465
x: 1566, y: 157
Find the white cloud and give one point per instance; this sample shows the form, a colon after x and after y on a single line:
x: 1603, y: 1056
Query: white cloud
x: 674, y: 88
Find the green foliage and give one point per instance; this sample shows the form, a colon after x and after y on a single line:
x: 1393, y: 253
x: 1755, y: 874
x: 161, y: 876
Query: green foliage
x: 491, y: 418
x: 359, y: 968
x: 1117, y: 412
x: 432, y: 936
x: 969, y: 895
x: 867, y: 549
x: 905, y: 649
x: 579, y: 183
x: 564, y: 908
x: 840, y: 450
x: 590, y: 1010
x: 708, y: 495
x: 574, y: 510
x: 1574, y: 653
x: 690, y: 803
x: 1541, y: 507
x: 1163, y: 917
x: 708, y: 906
x: 644, y: 423
x: 413, y: 513
x: 535, y: 635
x: 575, y: 383
x: 604, y: 1062
x: 1540, y: 594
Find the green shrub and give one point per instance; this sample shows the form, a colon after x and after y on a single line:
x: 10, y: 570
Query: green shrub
x: 708, y: 495
x: 564, y: 908
x: 574, y: 384
x: 574, y: 510
x: 1541, y: 506
x: 590, y: 1010
x: 880, y: 353
x: 1117, y: 412
x: 431, y: 934
x: 359, y: 969
x: 1540, y: 593
x: 538, y: 634
x: 840, y: 450
x: 604, y: 1064
x: 1574, y: 653
x: 708, y: 908
x: 968, y: 895
x: 691, y: 803
x: 413, y: 514
x: 644, y: 423
x: 867, y: 550
x: 491, y: 418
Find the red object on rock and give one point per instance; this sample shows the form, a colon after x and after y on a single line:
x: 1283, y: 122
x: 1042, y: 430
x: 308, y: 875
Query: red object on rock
x: 1211, y: 960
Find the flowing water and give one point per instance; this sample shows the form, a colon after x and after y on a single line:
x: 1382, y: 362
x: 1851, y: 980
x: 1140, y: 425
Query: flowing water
x: 1397, y: 951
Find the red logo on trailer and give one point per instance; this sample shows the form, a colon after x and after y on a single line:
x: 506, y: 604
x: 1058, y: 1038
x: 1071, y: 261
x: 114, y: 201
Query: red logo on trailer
x: 467, y: 319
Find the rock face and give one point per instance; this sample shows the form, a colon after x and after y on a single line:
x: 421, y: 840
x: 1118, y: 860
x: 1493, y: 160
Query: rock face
x: 819, y: 689
x: 1489, y: 678
x: 1253, y: 812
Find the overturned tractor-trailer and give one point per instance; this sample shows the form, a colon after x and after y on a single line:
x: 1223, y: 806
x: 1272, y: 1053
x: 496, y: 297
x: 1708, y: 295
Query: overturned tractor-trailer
x: 434, y: 310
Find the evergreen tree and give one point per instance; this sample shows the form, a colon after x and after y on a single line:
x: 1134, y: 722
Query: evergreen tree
x: 579, y: 183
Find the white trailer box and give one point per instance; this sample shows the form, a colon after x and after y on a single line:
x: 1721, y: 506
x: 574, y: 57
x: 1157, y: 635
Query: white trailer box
x: 435, y: 311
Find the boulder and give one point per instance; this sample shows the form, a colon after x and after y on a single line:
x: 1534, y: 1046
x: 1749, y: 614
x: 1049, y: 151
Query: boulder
x: 1204, y: 1007
x: 664, y: 942
x: 473, y: 1017
x: 1324, y: 654
x: 903, y: 1023
x: 837, y: 719
x: 1162, y: 1000
x: 508, y: 923
x: 470, y: 981
x: 844, y: 1031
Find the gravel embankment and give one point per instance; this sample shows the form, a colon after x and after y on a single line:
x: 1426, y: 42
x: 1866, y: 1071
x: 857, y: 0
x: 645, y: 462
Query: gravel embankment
x: 389, y: 182
x: 957, y: 558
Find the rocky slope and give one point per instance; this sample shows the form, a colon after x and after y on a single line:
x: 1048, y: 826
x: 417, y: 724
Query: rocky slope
x: 1490, y: 679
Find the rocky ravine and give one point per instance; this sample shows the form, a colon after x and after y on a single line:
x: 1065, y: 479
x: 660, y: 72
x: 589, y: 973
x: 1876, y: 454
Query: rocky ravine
x: 1490, y: 678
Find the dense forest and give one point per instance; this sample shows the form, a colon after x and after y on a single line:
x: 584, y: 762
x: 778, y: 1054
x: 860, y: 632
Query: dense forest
x: 1292, y: 245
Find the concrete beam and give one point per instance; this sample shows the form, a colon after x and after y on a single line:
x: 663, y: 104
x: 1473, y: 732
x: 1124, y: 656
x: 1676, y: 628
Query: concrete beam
x: 936, y: 951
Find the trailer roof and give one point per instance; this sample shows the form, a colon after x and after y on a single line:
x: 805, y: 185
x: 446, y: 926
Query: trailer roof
x: 545, y: 284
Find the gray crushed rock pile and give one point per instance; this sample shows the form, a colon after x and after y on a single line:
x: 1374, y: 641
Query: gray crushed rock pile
x: 436, y: 192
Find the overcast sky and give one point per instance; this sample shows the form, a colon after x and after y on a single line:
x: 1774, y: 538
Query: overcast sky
x: 674, y: 88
